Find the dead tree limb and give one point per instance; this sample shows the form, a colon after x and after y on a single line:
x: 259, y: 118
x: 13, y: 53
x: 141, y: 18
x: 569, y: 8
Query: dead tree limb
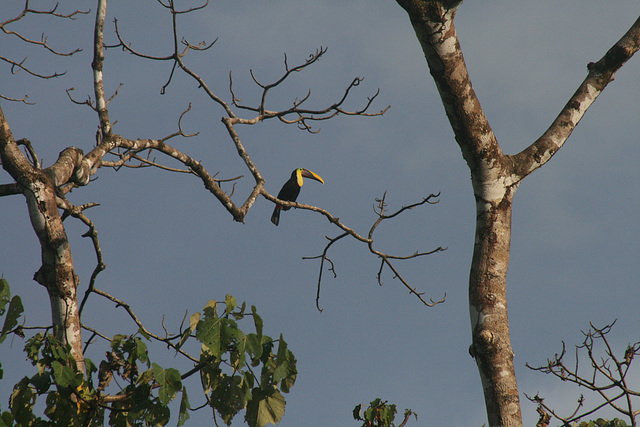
x: 607, y: 375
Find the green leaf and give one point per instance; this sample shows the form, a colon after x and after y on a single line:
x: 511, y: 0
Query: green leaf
x: 281, y: 371
x: 229, y: 333
x: 282, y: 350
x: 253, y: 346
x: 32, y: 347
x: 13, y: 314
x: 59, y: 350
x: 249, y: 379
x: 292, y: 373
x: 356, y: 412
x: 285, y: 366
x: 145, y: 378
x: 239, y: 315
x: 210, y: 375
x: 157, y: 415
x: 185, y: 336
x: 41, y: 381
x: 257, y: 320
x: 21, y: 402
x: 208, y: 333
x: 265, y: 409
x: 61, y: 409
x: 116, y: 341
x: 140, y: 396
x: 238, y: 356
x: 5, y: 294
x: 90, y: 368
x: 267, y: 346
x: 229, y: 397
x: 65, y: 376
x: 144, y: 333
x: 6, y: 419
x: 140, y: 351
x: 183, y: 416
x: 211, y: 309
x: 231, y: 304
x: 169, y: 381
x: 193, y: 321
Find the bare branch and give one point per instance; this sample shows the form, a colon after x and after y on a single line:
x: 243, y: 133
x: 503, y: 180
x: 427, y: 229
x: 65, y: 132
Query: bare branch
x: 184, y: 113
x: 600, y: 74
x: 17, y: 65
x: 10, y: 189
x: 170, y: 6
x: 86, y: 102
x: 23, y: 99
x: 385, y: 258
x: 137, y: 321
x: 108, y: 145
x: 97, y: 65
x: 92, y: 233
x: 301, y: 116
x: 323, y: 257
x: 43, y: 39
x: 127, y: 47
x: 32, y: 156
x: 610, y: 382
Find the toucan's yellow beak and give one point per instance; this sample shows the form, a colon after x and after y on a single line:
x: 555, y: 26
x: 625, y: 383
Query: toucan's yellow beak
x: 308, y: 174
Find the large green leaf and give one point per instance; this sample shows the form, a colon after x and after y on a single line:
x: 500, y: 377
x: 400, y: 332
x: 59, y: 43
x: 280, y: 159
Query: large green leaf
x: 265, y: 409
x: 229, y: 397
x: 208, y: 333
x: 169, y: 381
x: 253, y: 346
x: 238, y: 356
x: 183, y: 416
x: 13, y: 314
x: 5, y: 295
x: 211, y: 309
x: 66, y: 376
x: 231, y: 304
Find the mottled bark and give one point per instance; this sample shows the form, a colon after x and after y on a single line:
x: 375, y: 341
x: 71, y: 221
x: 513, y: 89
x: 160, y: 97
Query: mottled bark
x: 495, y: 178
x: 57, y: 272
x: 493, y: 189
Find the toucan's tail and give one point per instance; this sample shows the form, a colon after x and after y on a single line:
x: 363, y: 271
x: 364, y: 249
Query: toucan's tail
x: 275, y: 217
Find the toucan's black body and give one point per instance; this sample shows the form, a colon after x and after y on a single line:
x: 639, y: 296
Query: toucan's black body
x: 291, y: 189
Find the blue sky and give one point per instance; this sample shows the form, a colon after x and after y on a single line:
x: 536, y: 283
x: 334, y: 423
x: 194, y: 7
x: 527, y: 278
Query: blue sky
x: 170, y: 247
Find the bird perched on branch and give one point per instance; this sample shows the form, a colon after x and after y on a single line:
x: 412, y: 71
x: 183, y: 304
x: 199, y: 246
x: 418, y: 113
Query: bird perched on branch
x: 291, y: 189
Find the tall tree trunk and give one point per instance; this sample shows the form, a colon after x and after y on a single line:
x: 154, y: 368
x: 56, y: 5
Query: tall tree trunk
x: 57, y: 273
x: 494, y: 188
x: 491, y: 344
x: 495, y: 178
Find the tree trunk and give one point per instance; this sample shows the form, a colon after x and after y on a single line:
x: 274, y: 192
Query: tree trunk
x: 494, y: 187
x: 491, y: 344
x: 57, y: 273
x: 495, y: 178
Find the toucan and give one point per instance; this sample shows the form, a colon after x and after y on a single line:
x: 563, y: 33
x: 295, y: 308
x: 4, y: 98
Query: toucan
x: 291, y: 189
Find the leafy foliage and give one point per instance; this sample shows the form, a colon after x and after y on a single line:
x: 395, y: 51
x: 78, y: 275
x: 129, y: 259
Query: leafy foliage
x: 380, y: 414
x: 237, y: 371
x: 603, y: 423
x: 14, y: 311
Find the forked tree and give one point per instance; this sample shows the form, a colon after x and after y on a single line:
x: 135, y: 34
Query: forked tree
x: 495, y: 178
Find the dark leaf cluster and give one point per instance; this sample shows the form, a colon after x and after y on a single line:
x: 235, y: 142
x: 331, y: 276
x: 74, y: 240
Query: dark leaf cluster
x: 380, y: 414
x: 238, y: 371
